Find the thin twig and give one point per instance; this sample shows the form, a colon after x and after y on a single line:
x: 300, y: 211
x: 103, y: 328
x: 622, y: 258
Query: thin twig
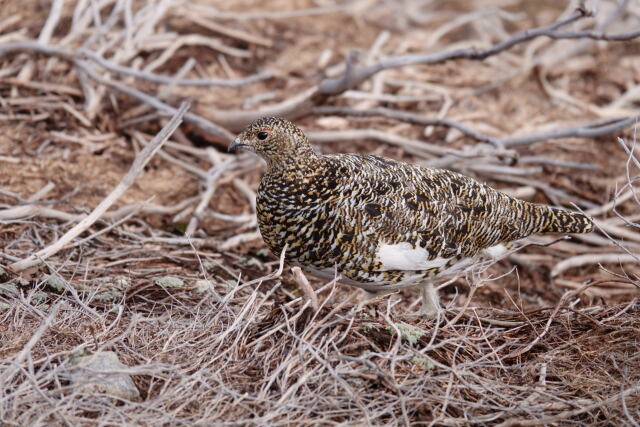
x: 6, y: 376
x: 136, y: 168
x: 195, y: 119
x: 52, y: 21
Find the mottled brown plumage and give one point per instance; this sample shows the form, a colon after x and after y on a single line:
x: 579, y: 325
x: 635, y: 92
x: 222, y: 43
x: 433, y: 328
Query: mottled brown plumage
x: 381, y: 223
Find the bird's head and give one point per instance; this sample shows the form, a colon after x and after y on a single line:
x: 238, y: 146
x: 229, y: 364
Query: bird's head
x: 274, y: 139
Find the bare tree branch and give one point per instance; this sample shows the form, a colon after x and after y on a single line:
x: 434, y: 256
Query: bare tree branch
x: 587, y: 130
x: 595, y: 35
x: 352, y: 77
x: 52, y: 21
x: 301, y: 105
x: 404, y: 116
x: 81, y: 54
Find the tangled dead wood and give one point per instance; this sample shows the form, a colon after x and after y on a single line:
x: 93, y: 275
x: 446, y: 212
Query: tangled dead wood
x: 174, y: 278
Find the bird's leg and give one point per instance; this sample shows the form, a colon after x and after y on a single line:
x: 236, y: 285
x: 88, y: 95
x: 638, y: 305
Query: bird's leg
x: 369, y: 296
x: 364, y: 300
x: 430, y: 301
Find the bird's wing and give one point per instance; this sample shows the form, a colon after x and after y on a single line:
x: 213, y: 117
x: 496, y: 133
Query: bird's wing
x: 417, y: 218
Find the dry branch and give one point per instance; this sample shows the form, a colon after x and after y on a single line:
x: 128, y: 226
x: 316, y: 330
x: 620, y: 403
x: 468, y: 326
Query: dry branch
x: 413, y: 146
x: 259, y: 354
x: 594, y: 259
x: 136, y: 168
x: 407, y: 117
x: 84, y: 54
x: 211, y: 184
x: 304, y: 103
x: 565, y: 415
x: 52, y: 21
x: 588, y: 130
x: 197, y: 120
x: 27, y: 211
x: 229, y: 32
x: 8, y: 373
x: 595, y: 35
x: 353, y: 76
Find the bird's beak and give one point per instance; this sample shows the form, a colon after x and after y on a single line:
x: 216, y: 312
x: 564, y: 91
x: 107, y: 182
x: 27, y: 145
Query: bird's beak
x: 235, y: 145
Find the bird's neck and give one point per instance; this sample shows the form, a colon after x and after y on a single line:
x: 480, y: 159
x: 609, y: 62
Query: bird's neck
x: 297, y: 163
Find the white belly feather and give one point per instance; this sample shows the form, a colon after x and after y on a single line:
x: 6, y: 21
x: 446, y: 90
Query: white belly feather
x: 403, y: 256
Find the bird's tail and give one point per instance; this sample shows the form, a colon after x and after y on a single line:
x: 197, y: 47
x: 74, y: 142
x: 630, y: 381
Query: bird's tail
x: 554, y: 220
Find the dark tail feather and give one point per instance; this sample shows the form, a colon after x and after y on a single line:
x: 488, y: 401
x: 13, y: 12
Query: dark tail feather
x: 553, y: 220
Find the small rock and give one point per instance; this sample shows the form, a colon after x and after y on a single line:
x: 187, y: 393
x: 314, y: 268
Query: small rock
x: 97, y: 373
x: 55, y: 282
x: 169, y: 282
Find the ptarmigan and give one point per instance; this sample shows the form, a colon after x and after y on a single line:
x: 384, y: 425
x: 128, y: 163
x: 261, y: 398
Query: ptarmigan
x: 379, y: 223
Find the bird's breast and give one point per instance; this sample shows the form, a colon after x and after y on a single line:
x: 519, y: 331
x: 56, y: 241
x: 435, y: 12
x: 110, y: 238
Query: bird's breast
x: 298, y: 218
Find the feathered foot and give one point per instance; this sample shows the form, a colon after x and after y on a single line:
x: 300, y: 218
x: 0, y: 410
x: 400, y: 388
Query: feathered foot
x: 430, y: 301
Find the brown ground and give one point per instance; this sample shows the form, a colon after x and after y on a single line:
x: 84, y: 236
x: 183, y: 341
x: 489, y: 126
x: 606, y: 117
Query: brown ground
x: 519, y: 345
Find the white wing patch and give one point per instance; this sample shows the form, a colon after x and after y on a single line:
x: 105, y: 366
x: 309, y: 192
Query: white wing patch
x: 403, y: 256
x: 496, y: 251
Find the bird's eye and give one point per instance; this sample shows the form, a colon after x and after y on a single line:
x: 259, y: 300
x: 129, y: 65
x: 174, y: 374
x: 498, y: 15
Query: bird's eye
x: 262, y: 135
